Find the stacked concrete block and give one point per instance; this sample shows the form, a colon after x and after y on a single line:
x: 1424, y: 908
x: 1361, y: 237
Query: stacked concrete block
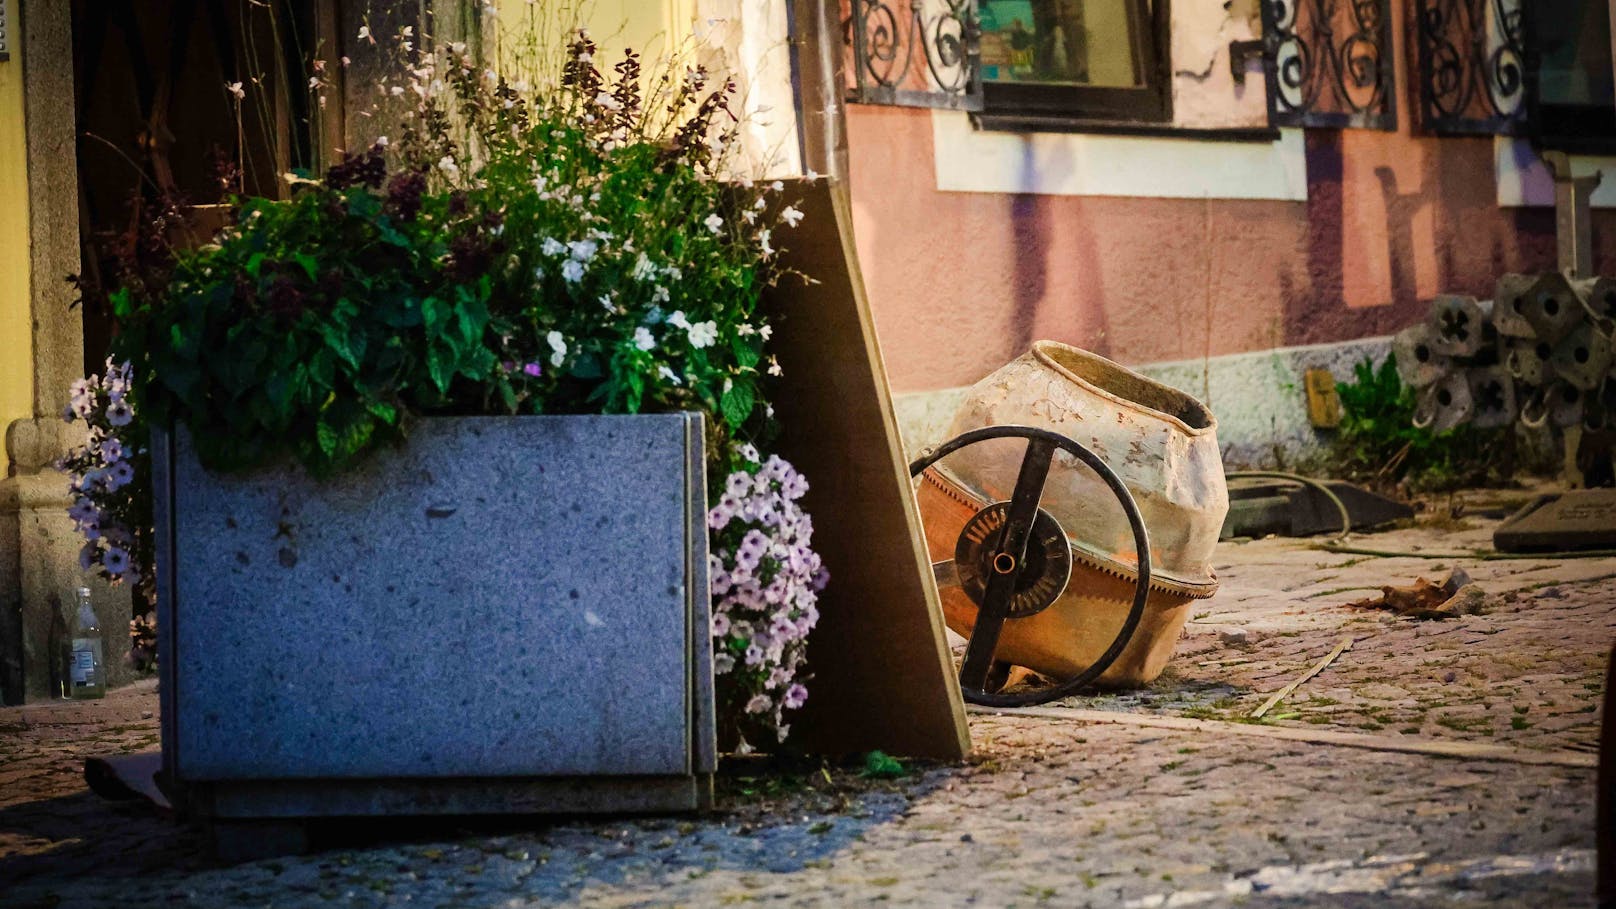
x: 1542, y: 350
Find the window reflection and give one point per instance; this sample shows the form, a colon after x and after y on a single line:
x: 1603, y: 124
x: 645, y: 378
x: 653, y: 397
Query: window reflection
x: 1062, y: 42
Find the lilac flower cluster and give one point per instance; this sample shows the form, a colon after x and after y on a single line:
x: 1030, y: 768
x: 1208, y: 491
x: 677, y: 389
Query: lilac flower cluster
x: 765, y: 587
x: 102, y: 471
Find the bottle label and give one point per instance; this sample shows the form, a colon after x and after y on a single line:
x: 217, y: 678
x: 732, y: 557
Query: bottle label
x: 83, y: 668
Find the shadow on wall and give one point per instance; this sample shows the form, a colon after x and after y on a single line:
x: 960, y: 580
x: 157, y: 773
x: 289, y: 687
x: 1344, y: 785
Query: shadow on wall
x: 1035, y: 231
x: 1471, y: 240
x: 1030, y: 232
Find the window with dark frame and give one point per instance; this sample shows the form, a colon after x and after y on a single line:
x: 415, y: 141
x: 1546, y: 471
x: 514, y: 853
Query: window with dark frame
x: 1570, y: 89
x: 1539, y: 69
x: 1069, y: 63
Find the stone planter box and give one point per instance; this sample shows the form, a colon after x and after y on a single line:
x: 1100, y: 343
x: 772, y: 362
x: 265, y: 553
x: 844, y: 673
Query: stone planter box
x: 505, y: 615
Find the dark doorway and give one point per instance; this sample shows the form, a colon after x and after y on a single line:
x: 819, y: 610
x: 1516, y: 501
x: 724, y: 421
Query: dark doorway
x: 157, y: 120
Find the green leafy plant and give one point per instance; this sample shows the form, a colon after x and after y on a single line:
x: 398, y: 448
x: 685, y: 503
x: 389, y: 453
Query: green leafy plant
x: 1379, y: 444
x: 562, y: 248
x: 878, y: 765
x: 312, y: 327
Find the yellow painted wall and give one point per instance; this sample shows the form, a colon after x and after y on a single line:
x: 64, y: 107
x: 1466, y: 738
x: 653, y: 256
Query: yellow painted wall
x: 652, y: 28
x: 16, y: 342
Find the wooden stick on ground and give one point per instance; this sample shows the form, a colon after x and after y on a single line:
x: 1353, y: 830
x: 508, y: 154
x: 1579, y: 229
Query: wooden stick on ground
x: 1318, y: 667
x: 1313, y: 735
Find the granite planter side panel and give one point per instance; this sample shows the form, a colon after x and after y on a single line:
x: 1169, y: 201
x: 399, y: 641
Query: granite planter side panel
x: 500, y: 597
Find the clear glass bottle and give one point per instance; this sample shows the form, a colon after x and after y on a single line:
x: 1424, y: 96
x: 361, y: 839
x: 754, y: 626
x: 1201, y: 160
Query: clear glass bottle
x: 88, y: 672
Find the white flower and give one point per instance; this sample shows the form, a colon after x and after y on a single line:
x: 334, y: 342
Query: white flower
x: 792, y: 215
x: 644, y: 269
x: 678, y: 320
x: 396, y: 90
x: 723, y: 663
x: 703, y: 334
x: 407, y: 31
x: 605, y: 99
x: 766, y: 332
x: 643, y: 338
x: 763, y: 242
x: 774, y: 367
x: 552, y: 247
x: 660, y: 294
x: 235, y: 89
x: 669, y: 375
x: 364, y: 34
x: 457, y: 47
x: 447, y: 165
x: 540, y: 183
x: 314, y: 83
x: 381, y: 141
x: 714, y: 222
x: 759, y: 703
x: 583, y: 250
x: 572, y: 271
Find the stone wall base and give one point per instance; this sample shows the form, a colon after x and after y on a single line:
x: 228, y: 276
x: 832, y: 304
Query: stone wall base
x: 39, y: 572
x: 1259, y: 399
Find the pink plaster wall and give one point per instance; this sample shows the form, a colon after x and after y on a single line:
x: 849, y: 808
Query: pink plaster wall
x: 962, y: 282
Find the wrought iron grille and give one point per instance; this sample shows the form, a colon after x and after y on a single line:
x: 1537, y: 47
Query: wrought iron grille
x: 1330, y: 63
x: 1471, y: 66
x: 914, y: 53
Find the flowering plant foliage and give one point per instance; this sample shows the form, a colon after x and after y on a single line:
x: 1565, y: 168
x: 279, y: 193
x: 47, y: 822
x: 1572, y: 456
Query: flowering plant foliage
x: 765, y: 582
x: 110, y: 507
x: 580, y: 243
x: 565, y: 248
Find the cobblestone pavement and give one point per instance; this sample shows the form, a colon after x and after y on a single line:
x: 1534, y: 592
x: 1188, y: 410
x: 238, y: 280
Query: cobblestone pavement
x: 1049, y: 812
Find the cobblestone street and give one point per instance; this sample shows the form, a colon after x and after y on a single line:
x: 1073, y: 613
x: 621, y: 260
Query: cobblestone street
x: 1172, y: 796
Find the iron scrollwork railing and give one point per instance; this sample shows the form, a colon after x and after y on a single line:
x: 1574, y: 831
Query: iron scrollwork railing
x: 1330, y: 63
x: 1471, y: 65
x: 915, y: 53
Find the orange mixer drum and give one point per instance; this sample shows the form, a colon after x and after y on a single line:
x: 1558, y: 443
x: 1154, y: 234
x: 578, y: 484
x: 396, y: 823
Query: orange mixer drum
x: 1160, y: 441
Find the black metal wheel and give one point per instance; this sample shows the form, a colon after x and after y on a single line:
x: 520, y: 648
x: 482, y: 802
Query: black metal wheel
x: 1009, y: 566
